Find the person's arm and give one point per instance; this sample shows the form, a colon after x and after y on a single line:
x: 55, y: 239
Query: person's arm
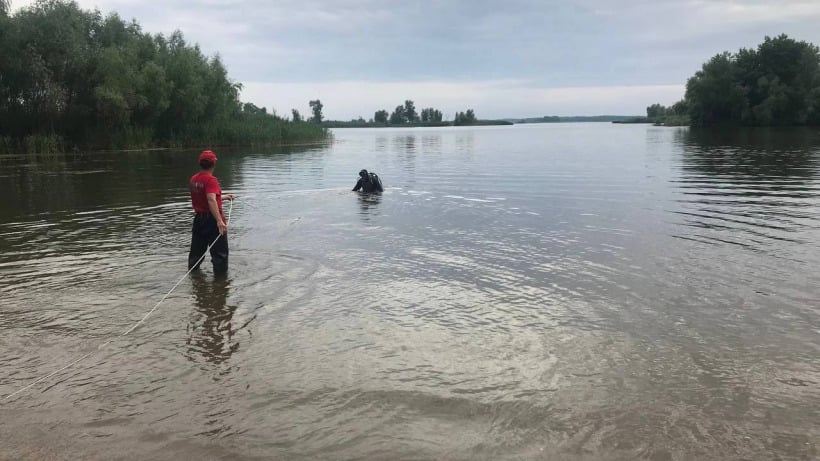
x: 358, y: 185
x: 214, y: 207
x: 228, y: 196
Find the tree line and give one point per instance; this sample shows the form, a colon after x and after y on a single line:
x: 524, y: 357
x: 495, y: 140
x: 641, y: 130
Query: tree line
x: 775, y: 84
x: 73, y: 78
x: 315, y: 107
x: 403, y: 115
x: 406, y: 114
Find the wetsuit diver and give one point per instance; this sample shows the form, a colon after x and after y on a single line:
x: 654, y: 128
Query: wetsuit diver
x: 369, y: 183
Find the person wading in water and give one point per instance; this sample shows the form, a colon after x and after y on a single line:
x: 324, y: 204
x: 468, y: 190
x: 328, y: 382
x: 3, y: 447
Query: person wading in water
x: 369, y: 183
x: 209, y: 221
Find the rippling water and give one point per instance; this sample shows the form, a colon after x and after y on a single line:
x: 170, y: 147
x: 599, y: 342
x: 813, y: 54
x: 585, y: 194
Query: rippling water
x: 579, y: 292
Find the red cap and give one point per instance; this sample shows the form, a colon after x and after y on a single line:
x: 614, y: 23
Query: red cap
x: 207, y: 155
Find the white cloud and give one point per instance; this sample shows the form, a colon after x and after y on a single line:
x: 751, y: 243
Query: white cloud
x: 678, y: 20
x: 756, y: 11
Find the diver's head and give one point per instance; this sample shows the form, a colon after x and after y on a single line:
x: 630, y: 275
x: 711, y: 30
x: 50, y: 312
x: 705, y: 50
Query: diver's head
x: 363, y: 174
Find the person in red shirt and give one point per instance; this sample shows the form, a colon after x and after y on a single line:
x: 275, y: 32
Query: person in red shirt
x: 209, y: 221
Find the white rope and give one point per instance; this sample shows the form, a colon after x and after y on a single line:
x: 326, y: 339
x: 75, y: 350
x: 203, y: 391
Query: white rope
x: 268, y: 214
x: 135, y: 326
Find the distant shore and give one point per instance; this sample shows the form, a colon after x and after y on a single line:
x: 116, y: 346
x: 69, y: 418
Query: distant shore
x: 575, y: 119
x: 667, y: 120
x: 357, y: 124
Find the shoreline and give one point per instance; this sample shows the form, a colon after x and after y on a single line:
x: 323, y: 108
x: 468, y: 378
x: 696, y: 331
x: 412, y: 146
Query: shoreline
x: 326, y: 140
x: 415, y: 125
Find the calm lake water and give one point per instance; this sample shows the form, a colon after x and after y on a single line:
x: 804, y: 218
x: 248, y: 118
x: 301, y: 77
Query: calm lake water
x: 568, y: 291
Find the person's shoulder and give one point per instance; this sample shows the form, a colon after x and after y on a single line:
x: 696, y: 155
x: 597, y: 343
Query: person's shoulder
x: 212, y: 184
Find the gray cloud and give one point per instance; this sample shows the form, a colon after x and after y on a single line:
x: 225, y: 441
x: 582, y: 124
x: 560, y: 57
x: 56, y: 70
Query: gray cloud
x: 548, y: 43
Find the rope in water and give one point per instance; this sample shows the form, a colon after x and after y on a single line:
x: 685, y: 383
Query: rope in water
x: 269, y: 214
x: 132, y: 328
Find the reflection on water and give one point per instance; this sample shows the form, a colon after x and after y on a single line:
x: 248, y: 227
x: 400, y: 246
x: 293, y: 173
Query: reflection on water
x: 211, y: 331
x: 759, y: 153
x: 405, y: 144
x: 556, y: 291
x: 431, y: 143
x: 464, y: 143
x: 369, y: 205
x: 406, y: 152
x: 749, y: 187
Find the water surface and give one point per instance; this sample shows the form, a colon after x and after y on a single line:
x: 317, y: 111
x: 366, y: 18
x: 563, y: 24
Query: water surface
x: 567, y: 291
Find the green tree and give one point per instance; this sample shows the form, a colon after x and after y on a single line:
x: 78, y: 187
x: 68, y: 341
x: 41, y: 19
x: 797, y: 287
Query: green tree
x: 782, y: 86
x: 398, y: 116
x: 410, y: 115
x: 250, y: 108
x: 316, y: 107
x: 380, y: 117
x: 713, y: 93
x: 297, y: 117
x: 656, y: 111
x: 778, y: 83
x: 465, y: 118
x: 431, y: 115
x: 679, y: 108
x: 93, y: 81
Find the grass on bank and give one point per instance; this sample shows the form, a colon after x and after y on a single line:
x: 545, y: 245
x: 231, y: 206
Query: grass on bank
x: 244, y: 130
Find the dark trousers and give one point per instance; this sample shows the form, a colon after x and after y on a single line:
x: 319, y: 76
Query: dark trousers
x: 203, y: 232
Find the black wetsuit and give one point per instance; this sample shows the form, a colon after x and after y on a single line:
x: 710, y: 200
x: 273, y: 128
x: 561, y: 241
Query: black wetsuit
x: 369, y: 184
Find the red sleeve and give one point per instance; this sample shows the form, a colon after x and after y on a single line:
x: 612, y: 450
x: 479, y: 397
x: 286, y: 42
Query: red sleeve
x: 212, y: 186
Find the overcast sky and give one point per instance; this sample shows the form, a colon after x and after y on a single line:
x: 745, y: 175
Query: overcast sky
x: 511, y: 58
